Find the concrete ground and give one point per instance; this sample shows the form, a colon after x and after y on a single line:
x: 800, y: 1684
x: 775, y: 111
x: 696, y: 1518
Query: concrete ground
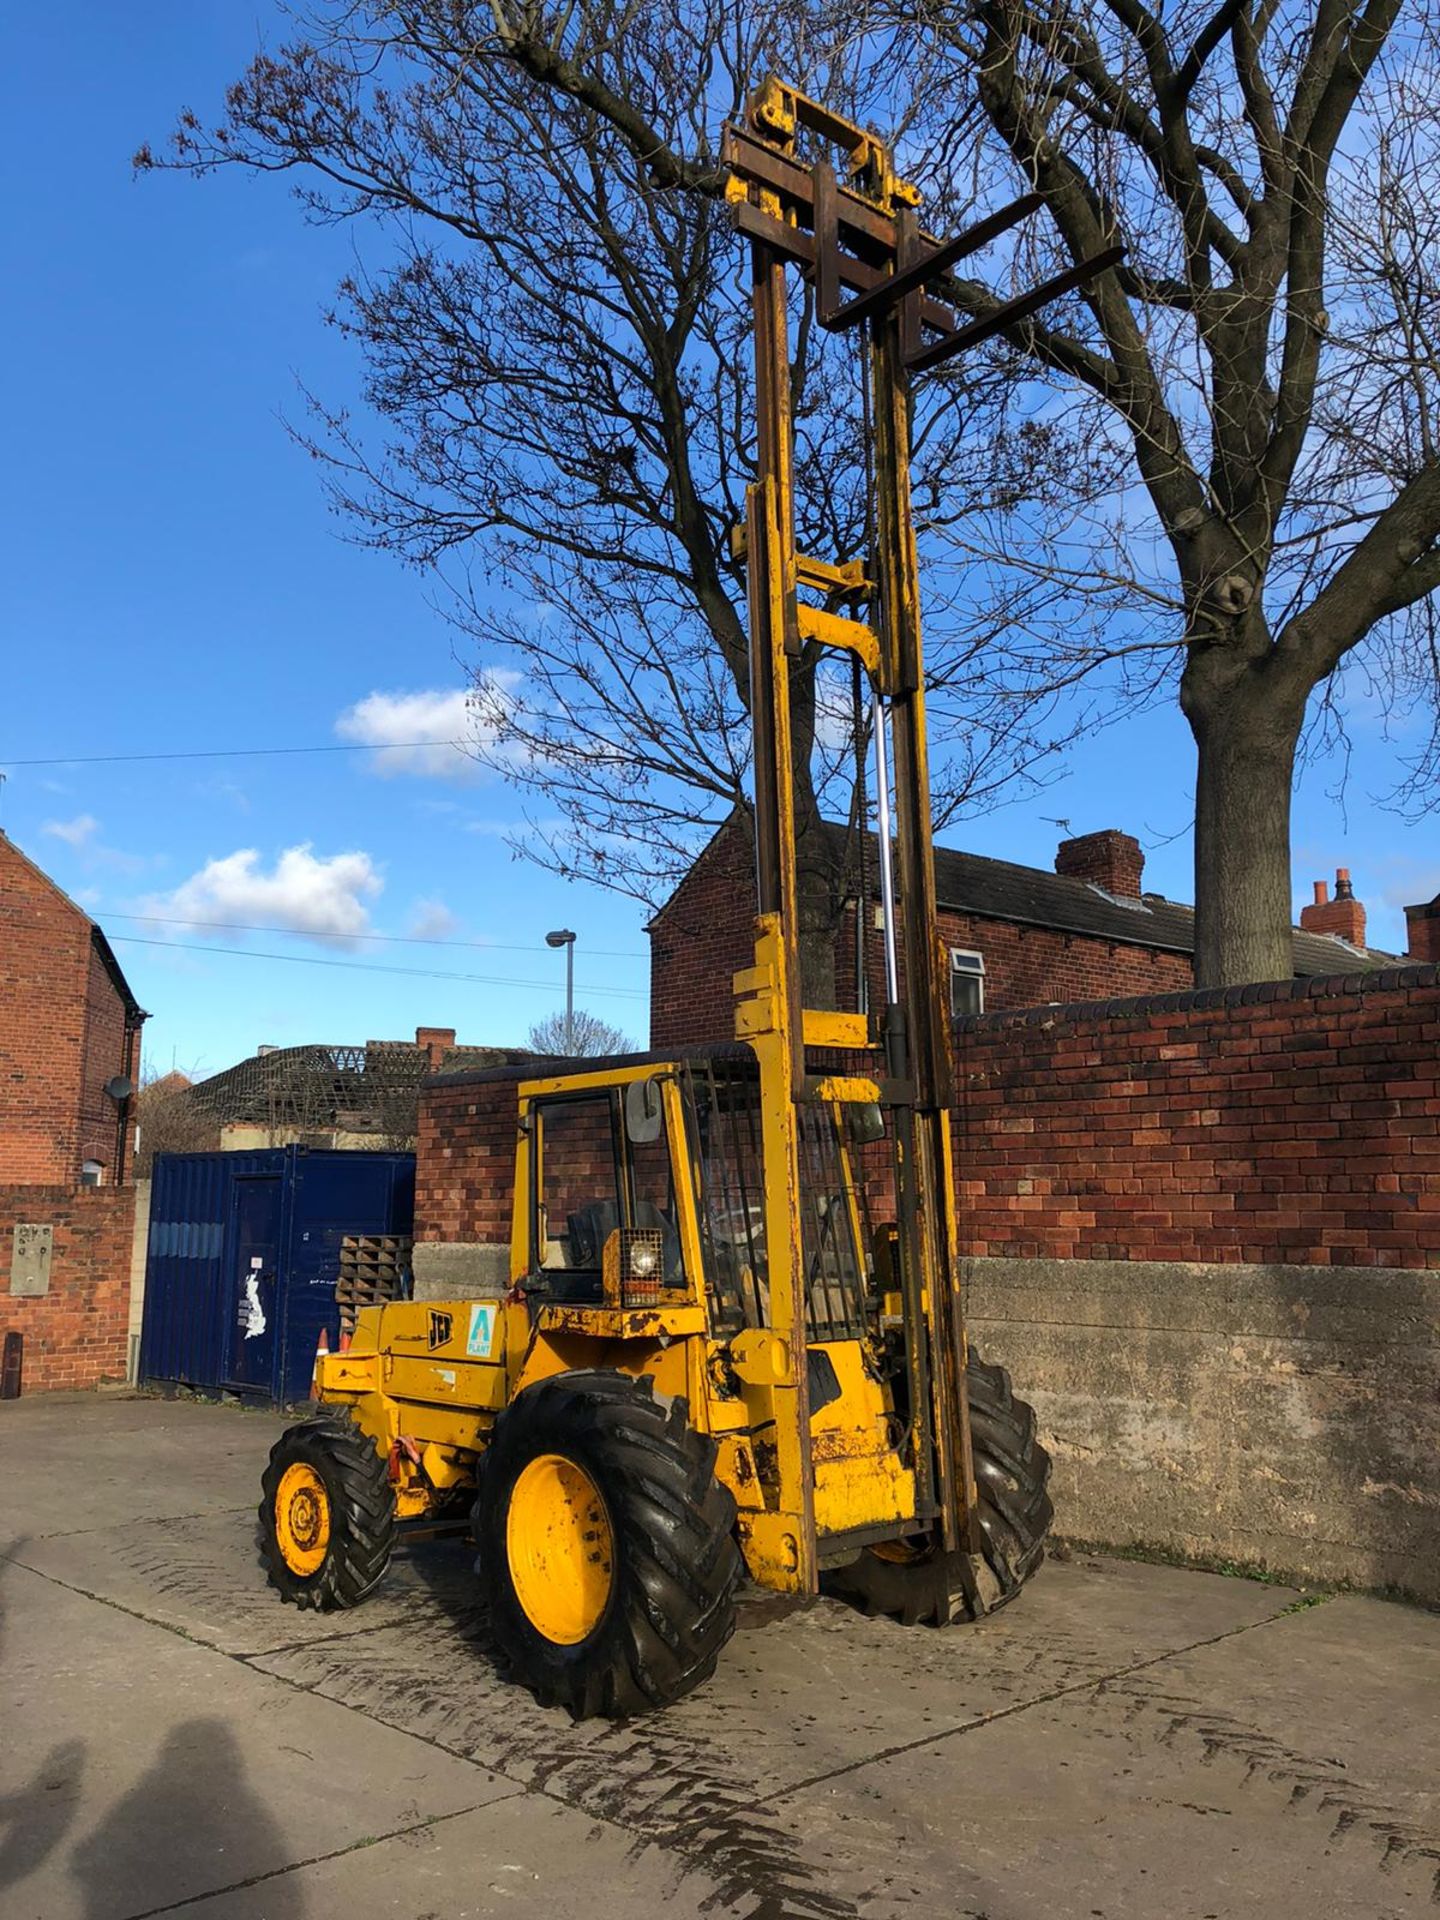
x: 1128, y: 1743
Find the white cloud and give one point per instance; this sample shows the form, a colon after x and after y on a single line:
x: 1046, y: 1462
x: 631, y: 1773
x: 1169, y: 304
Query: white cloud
x: 431, y: 920
x: 321, y: 897
x: 431, y: 733
x: 73, y: 832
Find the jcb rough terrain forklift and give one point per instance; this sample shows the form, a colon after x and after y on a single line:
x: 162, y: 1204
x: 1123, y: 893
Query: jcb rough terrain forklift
x: 731, y: 1342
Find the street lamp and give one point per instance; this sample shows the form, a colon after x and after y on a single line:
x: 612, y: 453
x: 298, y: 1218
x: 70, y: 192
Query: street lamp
x: 563, y: 937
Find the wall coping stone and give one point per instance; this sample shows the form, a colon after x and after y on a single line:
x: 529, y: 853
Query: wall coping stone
x: 1202, y: 999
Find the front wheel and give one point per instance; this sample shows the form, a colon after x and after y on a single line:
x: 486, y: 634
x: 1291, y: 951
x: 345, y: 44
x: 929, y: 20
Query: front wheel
x: 921, y: 1585
x: 327, y: 1519
x: 606, y: 1552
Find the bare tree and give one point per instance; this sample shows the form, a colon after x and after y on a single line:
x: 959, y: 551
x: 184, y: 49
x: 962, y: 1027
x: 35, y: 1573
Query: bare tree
x: 557, y: 346
x: 1265, y: 353
x: 1265, y: 362
x: 169, y: 1120
x: 589, y: 1037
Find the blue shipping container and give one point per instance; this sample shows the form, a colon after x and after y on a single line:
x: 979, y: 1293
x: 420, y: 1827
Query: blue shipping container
x: 243, y: 1257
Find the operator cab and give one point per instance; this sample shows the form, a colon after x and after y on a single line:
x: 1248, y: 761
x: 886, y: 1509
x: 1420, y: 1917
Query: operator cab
x: 666, y: 1154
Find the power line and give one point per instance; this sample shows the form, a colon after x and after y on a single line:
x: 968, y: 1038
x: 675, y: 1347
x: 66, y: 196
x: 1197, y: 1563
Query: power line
x: 392, y: 939
x: 365, y: 966
x: 227, y: 753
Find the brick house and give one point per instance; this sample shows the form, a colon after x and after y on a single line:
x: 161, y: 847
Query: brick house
x: 69, y: 1028
x: 69, y: 1058
x: 1019, y: 937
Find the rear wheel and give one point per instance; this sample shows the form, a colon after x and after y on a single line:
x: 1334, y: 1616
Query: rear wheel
x: 918, y: 1583
x: 606, y: 1551
x: 327, y: 1519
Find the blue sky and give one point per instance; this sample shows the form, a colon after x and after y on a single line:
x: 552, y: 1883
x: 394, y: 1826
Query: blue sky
x: 174, y: 582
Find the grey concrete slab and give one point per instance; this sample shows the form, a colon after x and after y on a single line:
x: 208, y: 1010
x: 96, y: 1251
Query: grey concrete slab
x: 1273, y: 1772
x: 523, y: 1856
x: 203, y: 1577
x: 1351, y: 1683
x: 1128, y: 1742
x: 98, y: 1459
x: 1088, y: 1807
x: 138, y: 1769
x: 798, y: 1695
x: 770, y: 1713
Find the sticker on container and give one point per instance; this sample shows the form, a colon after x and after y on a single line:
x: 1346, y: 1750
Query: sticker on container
x: 482, y: 1331
x: 253, y: 1314
x: 256, y: 1262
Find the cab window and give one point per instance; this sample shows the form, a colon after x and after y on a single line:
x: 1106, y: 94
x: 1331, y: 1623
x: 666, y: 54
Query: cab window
x: 578, y: 1196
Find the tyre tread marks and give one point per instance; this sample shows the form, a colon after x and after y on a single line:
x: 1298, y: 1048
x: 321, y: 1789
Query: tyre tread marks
x: 674, y: 1522
x: 362, y: 1515
x: 1012, y: 1471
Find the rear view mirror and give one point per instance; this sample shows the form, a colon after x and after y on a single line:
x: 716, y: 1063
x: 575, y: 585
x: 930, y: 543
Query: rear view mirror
x: 644, y: 1114
x: 867, y: 1123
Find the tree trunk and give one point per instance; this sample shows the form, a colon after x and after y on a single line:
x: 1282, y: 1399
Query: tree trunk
x: 1246, y: 729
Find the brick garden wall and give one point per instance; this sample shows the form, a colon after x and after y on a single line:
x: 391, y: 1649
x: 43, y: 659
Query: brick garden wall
x: 1203, y: 1232
x: 76, y: 1334
x: 465, y: 1159
x: 1296, y: 1121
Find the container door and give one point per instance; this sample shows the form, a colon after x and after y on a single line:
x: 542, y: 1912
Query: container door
x: 254, y: 1288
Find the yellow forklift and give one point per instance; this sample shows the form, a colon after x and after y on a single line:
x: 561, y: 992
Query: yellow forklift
x: 731, y: 1343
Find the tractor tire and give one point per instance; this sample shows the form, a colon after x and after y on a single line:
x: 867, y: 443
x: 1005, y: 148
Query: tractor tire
x: 924, y: 1586
x: 606, y: 1552
x: 327, y: 1519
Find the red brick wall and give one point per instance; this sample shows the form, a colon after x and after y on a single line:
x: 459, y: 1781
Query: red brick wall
x: 465, y: 1159
x: 103, y: 1057
x: 1289, y: 1122
x: 62, y: 1034
x: 75, y: 1335
x: 705, y: 934
x: 1294, y: 1122
x: 44, y: 954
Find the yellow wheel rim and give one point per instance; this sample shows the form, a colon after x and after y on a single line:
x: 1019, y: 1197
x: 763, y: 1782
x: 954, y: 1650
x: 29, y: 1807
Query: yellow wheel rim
x: 560, y: 1548
x: 302, y: 1519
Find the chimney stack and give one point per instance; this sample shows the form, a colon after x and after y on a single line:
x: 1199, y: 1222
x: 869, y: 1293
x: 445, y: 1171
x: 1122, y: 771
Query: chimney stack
x: 1343, y: 915
x: 435, y: 1043
x: 1108, y: 859
x: 1422, y: 927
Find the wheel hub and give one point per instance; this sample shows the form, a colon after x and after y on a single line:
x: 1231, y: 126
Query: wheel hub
x: 302, y: 1519
x: 560, y: 1548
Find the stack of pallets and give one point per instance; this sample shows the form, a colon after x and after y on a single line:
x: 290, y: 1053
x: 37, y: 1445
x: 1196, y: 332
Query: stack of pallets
x: 374, y: 1268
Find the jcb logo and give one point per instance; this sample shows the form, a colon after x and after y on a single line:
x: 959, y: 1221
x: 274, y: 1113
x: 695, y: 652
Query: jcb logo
x: 442, y: 1325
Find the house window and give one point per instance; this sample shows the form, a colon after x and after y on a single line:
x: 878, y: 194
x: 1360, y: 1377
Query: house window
x: 967, y: 982
x: 92, y: 1174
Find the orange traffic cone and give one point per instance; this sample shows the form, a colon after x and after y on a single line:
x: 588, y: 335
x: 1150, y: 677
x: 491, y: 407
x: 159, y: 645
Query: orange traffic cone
x: 344, y: 1346
x: 322, y: 1348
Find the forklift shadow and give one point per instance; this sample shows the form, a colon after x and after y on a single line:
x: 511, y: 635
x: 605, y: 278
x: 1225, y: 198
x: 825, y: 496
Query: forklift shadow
x: 443, y: 1571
